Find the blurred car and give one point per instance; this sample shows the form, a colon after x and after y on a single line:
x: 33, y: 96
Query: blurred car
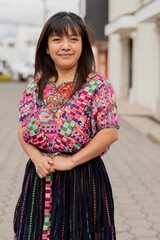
x: 5, y: 71
x: 23, y: 72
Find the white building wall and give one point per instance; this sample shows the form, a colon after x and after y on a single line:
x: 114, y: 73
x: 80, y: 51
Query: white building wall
x: 146, y: 78
x: 120, y: 7
x: 146, y: 56
x: 6, y: 53
x: 26, y: 39
x: 19, y: 51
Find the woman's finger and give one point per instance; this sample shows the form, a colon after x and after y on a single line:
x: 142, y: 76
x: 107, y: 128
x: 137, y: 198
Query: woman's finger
x: 43, y: 172
x: 50, y: 160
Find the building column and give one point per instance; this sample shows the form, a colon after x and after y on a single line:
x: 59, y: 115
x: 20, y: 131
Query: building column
x: 115, y: 62
x: 124, y: 86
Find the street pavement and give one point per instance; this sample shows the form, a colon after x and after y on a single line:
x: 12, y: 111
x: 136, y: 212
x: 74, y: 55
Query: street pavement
x: 133, y: 165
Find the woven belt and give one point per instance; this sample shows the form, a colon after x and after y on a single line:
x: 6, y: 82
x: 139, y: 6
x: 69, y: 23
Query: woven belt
x: 55, y: 153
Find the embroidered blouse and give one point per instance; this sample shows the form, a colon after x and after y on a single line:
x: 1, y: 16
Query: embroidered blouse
x: 60, y: 124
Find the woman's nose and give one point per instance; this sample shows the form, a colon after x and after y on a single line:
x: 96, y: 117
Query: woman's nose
x: 66, y: 44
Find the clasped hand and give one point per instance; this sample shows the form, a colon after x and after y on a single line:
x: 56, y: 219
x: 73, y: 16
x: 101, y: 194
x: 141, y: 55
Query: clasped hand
x: 46, y: 165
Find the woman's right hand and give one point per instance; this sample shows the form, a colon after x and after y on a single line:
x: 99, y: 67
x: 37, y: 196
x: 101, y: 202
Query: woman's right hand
x: 43, y: 165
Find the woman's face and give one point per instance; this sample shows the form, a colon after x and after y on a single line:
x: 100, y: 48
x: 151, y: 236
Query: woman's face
x: 65, y: 50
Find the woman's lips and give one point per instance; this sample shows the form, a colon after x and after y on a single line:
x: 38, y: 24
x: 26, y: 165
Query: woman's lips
x: 65, y: 55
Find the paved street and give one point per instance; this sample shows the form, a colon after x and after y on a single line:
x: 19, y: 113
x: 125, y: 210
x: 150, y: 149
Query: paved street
x: 133, y: 165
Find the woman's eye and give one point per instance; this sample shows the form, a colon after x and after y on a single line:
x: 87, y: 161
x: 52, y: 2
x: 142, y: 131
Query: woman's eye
x: 56, y: 39
x: 74, y: 39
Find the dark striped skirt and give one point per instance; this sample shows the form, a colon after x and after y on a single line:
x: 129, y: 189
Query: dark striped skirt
x: 67, y: 205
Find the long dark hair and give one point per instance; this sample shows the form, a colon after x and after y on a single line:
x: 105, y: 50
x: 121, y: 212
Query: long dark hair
x: 44, y: 65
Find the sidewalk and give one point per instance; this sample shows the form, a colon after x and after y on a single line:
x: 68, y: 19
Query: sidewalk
x: 132, y: 164
x: 141, y: 118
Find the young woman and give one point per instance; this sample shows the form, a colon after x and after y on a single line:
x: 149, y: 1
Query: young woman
x: 68, y: 119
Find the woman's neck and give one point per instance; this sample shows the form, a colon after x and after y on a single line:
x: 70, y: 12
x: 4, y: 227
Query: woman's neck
x: 66, y: 75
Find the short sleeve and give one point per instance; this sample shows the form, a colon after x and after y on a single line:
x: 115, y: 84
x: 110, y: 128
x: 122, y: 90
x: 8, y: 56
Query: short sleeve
x: 104, y: 108
x: 25, y: 103
x: 25, y: 107
x: 22, y: 102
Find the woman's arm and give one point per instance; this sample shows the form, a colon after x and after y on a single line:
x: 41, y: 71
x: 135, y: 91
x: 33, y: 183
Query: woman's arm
x: 103, y: 139
x: 42, y: 163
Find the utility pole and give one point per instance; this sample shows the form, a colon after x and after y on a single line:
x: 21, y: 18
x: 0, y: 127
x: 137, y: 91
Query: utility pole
x: 44, y: 11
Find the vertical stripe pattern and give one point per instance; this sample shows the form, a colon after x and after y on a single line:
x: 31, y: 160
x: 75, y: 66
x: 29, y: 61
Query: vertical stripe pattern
x: 47, y: 209
x: 69, y: 205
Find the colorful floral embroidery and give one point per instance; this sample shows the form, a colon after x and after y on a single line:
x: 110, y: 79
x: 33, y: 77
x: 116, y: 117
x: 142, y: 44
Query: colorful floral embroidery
x: 55, y: 98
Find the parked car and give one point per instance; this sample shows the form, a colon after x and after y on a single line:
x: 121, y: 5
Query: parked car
x: 23, y: 72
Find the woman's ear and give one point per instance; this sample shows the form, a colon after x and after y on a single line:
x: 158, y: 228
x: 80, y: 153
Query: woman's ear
x: 47, y: 50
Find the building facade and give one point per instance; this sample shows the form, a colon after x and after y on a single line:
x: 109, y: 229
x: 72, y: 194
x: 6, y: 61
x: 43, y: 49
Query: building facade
x: 18, y: 50
x: 134, y: 51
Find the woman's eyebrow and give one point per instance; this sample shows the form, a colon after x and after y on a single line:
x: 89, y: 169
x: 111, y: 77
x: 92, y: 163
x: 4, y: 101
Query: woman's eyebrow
x: 69, y: 35
x: 56, y: 35
x: 74, y: 34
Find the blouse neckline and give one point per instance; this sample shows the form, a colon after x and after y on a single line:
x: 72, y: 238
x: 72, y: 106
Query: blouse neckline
x: 56, y: 99
x: 61, y: 84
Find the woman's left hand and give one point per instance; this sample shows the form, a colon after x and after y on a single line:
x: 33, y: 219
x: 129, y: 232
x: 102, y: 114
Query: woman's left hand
x: 61, y: 163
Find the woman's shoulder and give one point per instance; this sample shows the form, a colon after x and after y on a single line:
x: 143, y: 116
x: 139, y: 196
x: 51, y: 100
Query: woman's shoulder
x: 98, y: 79
x: 31, y: 85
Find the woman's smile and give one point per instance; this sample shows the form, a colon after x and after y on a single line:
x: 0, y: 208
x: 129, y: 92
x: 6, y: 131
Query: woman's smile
x: 65, y: 55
